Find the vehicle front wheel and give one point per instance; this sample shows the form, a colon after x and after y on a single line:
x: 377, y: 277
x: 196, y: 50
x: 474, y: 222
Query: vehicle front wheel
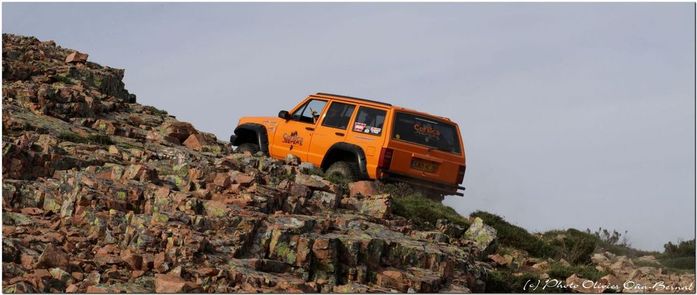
x: 346, y: 170
x: 248, y: 147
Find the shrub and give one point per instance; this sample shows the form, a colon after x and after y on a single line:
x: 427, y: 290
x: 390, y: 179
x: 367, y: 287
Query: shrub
x: 516, y: 237
x: 334, y: 178
x: 572, y: 245
x: 503, y: 281
x: 72, y: 137
x: 63, y: 79
x: 617, y: 243
x: 684, y: 248
x: 641, y: 263
x: 683, y: 263
x: 411, y: 204
x: 613, y: 238
x: 680, y: 256
x: 102, y: 139
x: 155, y: 111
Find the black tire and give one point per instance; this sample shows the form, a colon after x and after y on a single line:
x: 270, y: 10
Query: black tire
x: 347, y: 170
x: 248, y: 147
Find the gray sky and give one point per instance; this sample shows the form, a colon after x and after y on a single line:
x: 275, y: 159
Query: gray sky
x: 573, y: 115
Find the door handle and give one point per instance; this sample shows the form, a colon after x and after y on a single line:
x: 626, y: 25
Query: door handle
x: 310, y: 128
x: 339, y: 133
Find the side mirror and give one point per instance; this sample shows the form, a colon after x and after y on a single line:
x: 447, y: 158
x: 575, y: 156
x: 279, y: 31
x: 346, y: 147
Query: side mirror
x: 284, y: 115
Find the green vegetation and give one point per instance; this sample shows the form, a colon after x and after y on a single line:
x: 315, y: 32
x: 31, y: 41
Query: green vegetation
x: 572, y: 245
x: 63, y: 79
x: 642, y: 263
x: 684, y: 248
x: 155, y: 111
x: 617, y: 243
x: 101, y: 139
x: 680, y: 256
x: 516, y: 237
x: 498, y: 281
x: 317, y: 171
x: 333, y: 178
x: 72, y: 137
x: 421, y: 210
x: 678, y: 263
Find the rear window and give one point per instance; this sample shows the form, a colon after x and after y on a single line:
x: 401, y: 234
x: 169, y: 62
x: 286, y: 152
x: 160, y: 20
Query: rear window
x: 425, y: 131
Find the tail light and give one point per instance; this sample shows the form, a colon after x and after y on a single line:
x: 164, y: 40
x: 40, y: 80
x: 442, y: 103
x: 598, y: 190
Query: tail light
x: 385, y: 158
x: 461, y: 174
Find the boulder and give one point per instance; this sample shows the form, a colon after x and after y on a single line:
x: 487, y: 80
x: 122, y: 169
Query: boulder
x: 292, y: 160
x: 195, y: 142
x: 314, y: 182
x: 435, y: 236
x: 541, y: 266
x: 325, y: 200
x: 306, y: 167
x: 498, y: 259
x: 76, y: 57
x: 614, y: 283
x: 52, y: 257
x: 482, y: 234
x: 179, y: 131
x: 133, y: 260
x: 581, y: 285
x: 378, y: 206
x: 169, y: 283
x: 363, y: 188
x: 299, y: 190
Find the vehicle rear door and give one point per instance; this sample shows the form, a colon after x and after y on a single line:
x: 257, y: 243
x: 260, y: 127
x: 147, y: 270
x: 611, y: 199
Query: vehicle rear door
x: 367, y: 130
x: 426, y: 148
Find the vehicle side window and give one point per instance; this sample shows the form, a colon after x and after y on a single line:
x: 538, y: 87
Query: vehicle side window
x: 310, y: 111
x: 338, y: 115
x: 369, y: 121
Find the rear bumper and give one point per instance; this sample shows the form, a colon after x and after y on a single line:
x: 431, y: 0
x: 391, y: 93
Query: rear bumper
x: 446, y: 189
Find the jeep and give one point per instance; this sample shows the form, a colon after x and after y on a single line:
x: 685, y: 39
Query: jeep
x: 358, y: 138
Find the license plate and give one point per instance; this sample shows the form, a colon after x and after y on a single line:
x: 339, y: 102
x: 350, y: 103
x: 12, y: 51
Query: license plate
x: 423, y: 165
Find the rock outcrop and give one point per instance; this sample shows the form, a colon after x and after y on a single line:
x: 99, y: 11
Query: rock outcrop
x: 102, y: 194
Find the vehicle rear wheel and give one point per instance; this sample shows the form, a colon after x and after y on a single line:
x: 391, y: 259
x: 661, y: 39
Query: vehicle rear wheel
x: 346, y: 170
x: 248, y: 147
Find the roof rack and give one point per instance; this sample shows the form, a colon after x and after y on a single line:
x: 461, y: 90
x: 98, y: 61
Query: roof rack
x: 356, y: 98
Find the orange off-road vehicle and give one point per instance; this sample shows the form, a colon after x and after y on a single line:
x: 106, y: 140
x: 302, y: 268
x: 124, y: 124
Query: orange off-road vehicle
x: 362, y: 139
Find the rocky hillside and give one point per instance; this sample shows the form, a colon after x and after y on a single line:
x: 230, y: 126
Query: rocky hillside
x: 102, y: 194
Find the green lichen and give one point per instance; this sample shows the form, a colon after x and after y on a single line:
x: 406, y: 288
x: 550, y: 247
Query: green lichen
x: 51, y: 204
x: 214, y: 210
x: 285, y: 252
x: 160, y: 218
x: 12, y: 218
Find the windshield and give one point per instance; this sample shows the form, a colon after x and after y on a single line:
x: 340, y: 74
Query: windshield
x: 429, y: 132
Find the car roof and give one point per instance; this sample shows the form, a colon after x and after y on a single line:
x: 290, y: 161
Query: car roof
x: 377, y: 103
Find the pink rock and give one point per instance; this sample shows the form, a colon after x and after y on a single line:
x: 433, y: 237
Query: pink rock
x: 76, y: 57
x: 364, y: 188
